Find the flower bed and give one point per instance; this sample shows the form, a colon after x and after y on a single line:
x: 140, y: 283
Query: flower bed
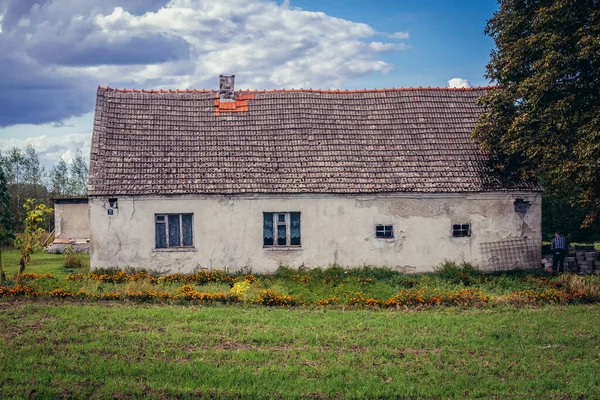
x: 368, y: 288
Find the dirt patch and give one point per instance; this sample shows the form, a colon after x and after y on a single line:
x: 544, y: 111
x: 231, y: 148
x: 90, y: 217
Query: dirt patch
x: 419, y: 351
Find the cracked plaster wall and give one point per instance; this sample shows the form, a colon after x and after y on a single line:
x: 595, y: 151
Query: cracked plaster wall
x: 335, y: 229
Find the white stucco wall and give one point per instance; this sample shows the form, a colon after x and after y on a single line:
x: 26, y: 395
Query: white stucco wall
x: 336, y: 229
x: 71, y: 221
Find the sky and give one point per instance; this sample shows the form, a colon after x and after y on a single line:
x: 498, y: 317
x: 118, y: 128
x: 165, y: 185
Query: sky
x: 55, y: 53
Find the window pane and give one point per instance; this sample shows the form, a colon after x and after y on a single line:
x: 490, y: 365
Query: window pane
x: 174, y: 231
x: 268, y: 229
x: 295, y: 229
x: 186, y: 227
x: 161, y: 235
x: 281, y: 218
x: 281, y: 240
x: 389, y: 231
x: 379, y: 227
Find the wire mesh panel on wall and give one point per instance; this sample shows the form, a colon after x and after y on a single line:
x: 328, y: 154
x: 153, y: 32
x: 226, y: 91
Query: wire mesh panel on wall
x: 510, y: 254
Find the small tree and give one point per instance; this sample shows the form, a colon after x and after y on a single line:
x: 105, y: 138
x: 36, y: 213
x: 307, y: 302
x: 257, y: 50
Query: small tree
x: 78, y: 175
x: 30, y: 241
x: 59, y: 178
x: 6, y: 220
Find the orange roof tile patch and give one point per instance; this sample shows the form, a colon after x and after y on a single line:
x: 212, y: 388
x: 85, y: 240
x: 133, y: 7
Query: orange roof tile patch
x: 239, y: 105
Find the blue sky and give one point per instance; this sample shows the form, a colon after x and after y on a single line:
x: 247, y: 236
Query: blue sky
x: 54, y: 53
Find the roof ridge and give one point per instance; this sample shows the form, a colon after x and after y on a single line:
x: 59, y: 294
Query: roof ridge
x: 302, y: 90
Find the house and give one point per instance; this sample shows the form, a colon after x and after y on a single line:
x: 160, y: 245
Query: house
x: 227, y: 179
x: 71, y: 225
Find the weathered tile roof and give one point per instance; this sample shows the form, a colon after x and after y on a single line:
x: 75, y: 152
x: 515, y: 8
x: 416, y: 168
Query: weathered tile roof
x: 291, y: 141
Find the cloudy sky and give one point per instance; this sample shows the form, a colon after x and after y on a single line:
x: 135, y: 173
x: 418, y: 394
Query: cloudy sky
x: 54, y: 53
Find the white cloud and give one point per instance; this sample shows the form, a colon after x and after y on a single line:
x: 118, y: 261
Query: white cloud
x: 264, y: 44
x: 458, y: 83
x: 51, y: 141
x: 52, y: 149
x: 399, y: 35
x: 382, y: 47
x: 171, y: 44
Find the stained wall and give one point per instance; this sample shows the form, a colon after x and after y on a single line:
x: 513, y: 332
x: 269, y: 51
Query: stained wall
x: 335, y: 229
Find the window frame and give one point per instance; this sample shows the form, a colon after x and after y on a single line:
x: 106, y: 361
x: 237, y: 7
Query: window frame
x: 165, y: 222
x: 461, y: 230
x: 384, y: 230
x: 287, y: 221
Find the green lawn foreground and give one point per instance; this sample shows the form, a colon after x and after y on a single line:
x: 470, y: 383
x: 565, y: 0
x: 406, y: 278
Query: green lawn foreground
x: 118, y: 350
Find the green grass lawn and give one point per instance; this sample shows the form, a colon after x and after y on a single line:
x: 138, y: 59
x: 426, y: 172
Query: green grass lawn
x: 116, y: 350
x: 511, y: 347
x: 41, y: 263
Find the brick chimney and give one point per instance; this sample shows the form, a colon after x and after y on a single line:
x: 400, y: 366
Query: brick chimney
x: 226, y: 88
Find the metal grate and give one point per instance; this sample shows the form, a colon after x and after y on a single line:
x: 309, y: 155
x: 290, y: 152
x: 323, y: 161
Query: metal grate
x: 510, y: 254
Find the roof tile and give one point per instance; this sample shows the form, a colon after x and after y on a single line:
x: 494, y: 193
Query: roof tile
x: 287, y: 141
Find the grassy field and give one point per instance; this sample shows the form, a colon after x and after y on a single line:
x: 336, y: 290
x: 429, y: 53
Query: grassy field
x: 114, y: 350
x: 41, y: 263
x: 513, y: 341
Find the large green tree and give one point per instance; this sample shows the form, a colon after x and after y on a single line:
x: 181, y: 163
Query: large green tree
x: 543, y: 121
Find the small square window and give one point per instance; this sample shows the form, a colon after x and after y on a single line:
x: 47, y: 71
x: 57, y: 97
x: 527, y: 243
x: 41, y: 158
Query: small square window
x: 461, y: 230
x: 384, y: 231
x: 521, y: 206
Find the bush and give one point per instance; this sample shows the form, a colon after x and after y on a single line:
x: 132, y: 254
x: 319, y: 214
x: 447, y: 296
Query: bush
x: 457, y: 274
x: 270, y: 297
x: 73, y: 261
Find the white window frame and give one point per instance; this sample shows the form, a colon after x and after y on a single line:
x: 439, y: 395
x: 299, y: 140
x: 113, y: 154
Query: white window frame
x: 166, y: 223
x: 288, y: 229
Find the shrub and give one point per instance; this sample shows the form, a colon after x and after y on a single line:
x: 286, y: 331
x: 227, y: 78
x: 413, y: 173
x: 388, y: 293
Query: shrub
x: 270, y: 297
x: 73, y: 261
x: 239, y: 289
x: 327, y: 302
x: 464, y: 273
x: 142, y: 285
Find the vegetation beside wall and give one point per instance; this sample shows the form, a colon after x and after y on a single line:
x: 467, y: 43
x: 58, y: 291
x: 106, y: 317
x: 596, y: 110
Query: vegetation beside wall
x: 370, y: 287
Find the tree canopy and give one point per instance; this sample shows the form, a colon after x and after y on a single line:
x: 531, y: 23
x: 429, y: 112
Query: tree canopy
x: 543, y: 121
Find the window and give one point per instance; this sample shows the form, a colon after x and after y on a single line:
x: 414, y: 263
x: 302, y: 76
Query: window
x: 384, y: 231
x: 461, y: 230
x: 521, y: 206
x: 173, y: 230
x: 281, y: 229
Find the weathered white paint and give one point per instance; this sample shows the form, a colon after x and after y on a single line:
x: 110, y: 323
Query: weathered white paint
x: 72, y: 221
x: 336, y: 229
